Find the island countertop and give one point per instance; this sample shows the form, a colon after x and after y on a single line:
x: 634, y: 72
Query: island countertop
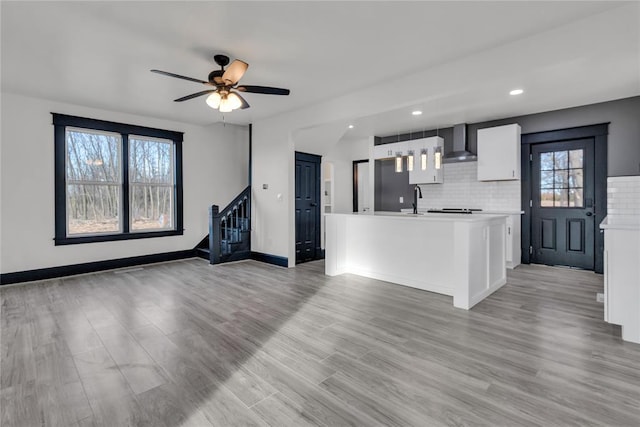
x: 449, y: 217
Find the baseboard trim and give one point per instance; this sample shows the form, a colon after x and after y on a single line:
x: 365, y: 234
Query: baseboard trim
x: 91, y: 267
x: 270, y: 259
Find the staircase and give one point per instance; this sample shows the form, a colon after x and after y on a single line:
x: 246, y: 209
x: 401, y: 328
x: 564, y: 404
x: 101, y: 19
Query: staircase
x: 229, y: 236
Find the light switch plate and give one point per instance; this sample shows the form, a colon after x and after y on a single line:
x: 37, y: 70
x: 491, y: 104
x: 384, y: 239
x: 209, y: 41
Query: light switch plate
x: 401, y: 199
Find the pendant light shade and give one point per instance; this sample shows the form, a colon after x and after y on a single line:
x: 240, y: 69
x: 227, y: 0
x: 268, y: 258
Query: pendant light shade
x: 423, y: 159
x: 398, y: 162
x: 410, y: 160
x: 437, y: 157
x: 234, y: 101
x: 225, y: 105
x: 213, y: 100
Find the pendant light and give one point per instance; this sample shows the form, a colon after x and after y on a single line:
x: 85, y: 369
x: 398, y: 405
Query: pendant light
x: 437, y: 152
x: 410, y: 158
x: 399, y: 161
x: 423, y: 159
x: 398, y: 158
x: 437, y: 157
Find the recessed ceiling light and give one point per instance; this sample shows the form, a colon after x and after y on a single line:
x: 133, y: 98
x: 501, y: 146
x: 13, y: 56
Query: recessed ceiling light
x: 516, y: 92
x: 416, y: 113
x: 350, y: 126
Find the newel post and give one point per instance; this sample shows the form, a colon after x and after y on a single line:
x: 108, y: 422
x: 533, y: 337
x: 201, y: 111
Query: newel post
x: 214, y: 235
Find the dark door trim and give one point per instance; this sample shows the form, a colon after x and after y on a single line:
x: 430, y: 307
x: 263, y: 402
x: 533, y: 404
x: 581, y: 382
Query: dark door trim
x: 313, y: 158
x: 355, y: 182
x: 599, y: 134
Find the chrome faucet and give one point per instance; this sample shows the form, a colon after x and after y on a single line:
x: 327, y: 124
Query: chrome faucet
x: 417, y: 193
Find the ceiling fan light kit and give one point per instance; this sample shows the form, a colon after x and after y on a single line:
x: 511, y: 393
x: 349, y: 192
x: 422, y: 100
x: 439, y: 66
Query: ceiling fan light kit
x: 213, y: 100
x: 223, y: 94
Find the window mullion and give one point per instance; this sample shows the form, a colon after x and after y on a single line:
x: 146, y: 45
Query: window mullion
x: 125, y: 184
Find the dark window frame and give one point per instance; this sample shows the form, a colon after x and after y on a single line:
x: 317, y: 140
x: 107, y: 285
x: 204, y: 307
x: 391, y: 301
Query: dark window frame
x: 60, y: 123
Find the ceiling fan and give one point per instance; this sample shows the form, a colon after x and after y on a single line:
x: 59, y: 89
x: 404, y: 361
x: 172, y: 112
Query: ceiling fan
x: 223, y: 94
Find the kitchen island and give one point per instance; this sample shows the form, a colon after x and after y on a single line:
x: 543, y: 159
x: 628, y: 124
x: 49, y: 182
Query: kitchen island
x: 458, y: 255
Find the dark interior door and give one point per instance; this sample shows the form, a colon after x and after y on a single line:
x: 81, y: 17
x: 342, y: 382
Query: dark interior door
x: 562, y: 218
x: 307, y: 197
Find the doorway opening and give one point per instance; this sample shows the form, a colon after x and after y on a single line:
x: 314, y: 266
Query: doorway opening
x: 361, y: 191
x: 307, y: 207
x: 564, y: 197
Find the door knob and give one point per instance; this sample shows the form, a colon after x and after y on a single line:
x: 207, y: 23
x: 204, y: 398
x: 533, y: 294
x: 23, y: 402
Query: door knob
x: 314, y: 204
x: 589, y: 213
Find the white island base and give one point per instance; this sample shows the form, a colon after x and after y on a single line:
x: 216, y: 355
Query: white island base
x: 458, y: 255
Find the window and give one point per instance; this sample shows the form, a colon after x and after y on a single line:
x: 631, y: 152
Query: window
x: 561, y: 174
x: 115, y: 181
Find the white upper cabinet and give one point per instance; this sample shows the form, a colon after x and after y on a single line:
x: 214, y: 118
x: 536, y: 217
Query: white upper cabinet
x: 386, y: 151
x: 499, y: 153
x: 429, y: 171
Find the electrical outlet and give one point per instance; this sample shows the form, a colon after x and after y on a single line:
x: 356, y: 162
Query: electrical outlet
x: 401, y: 199
x: 599, y: 297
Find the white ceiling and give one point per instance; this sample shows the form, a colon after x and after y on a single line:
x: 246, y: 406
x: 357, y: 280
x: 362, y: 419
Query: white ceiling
x: 99, y: 54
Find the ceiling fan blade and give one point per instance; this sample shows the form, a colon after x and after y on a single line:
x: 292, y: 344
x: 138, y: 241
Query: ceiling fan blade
x: 194, y: 95
x: 263, y: 89
x: 178, y: 76
x: 234, y: 72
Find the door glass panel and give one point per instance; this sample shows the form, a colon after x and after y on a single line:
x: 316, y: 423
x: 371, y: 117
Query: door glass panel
x: 561, y: 179
x: 576, y: 198
x: 575, y: 178
x: 575, y: 159
x: 546, y: 197
x: 560, y: 159
x: 546, y: 161
x: 546, y: 179
x: 561, y: 198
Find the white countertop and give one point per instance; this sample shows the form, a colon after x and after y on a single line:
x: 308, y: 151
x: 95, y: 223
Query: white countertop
x: 483, y: 212
x: 424, y: 216
x: 500, y: 213
x: 620, y: 223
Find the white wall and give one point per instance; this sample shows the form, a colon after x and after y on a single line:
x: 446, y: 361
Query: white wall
x: 215, y: 170
x: 271, y: 208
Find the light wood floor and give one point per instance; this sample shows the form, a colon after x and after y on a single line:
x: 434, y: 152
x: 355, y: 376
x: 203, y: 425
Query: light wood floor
x: 185, y: 343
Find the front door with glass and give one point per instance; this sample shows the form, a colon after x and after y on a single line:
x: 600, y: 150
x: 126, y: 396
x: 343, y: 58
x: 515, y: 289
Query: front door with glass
x: 562, y: 220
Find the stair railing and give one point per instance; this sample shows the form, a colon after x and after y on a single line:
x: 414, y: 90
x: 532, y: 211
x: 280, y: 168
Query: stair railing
x: 230, y: 229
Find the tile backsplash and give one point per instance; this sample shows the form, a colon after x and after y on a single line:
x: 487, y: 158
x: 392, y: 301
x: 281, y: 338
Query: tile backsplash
x: 623, y: 198
x: 461, y: 189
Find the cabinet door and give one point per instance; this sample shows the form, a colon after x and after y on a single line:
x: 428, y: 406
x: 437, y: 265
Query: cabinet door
x: 387, y: 151
x: 499, y: 153
x: 382, y: 151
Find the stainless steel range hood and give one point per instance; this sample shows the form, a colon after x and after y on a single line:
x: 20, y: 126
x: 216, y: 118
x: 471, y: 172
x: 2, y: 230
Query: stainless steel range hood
x: 460, y: 151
